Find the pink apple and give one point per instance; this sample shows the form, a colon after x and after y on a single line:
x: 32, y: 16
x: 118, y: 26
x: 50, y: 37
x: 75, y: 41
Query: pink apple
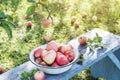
x: 29, y: 24
x: 39, y: 75
x: 84, y: 14
x: 74, y: 18
x: 27, y: 17
x: 76, y: 24
x: 49, y: 58
x: 70, y: 55
x: 64, y: 48
x: 38, y: 60
x: 46, y: 22
x: 61, y: 59
x: 43, y: 63
x: 38, y: 52
x: 43, y: 54
x: 52, y: 46
x: 1, y: 70
x: 35, y: 13
x: 55, y: 64
x: 47, y: 38
x: 82, y: 40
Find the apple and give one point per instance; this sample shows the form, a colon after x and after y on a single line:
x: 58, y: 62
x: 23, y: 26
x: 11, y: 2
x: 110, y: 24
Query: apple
x: 43, y: 53
x: 39, y: 75
x: 74, y: 18
x: 46, y: 22
x: 55, y: 64
x: 29, y: 24
x: 43, y: 63
x: 27, y: 17
x: 38, y: 52
x: 35, y: 13
x: 64, y: 48
x: 76, y: 24
x: 50, y: 56
x: 61, y: 59
x: 52, y: 46
x: 94, y: 18
x: 84, y: 14
x: 38, y: 60
x: 1, y: 70
x: 82, y: 40
x: 47, y: 38
x: 70, y: 55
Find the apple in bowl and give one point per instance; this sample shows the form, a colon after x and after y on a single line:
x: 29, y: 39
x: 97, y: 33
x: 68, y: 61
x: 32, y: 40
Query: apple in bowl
x: 54, y: 58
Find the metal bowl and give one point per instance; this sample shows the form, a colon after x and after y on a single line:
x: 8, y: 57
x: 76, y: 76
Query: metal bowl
x: 53, y: 70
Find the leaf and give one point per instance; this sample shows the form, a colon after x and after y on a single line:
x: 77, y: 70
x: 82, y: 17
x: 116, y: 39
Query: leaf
x: 2, y: 15
x: 30, y: 10
x: 9, y: 17
x: 31, y: 0
x: 7, y: 29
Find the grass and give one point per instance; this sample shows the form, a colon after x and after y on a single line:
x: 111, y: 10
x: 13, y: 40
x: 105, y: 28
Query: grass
x: 15, y: 51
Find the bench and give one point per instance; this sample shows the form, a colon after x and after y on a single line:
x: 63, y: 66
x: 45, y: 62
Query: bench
x: 105, y: 64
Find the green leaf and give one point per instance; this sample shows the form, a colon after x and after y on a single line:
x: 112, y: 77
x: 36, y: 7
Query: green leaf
x: 30, y: 10
x: 31, y: 0
x: 2, y: 15
x: 7, y: 29
x: 9, y: 17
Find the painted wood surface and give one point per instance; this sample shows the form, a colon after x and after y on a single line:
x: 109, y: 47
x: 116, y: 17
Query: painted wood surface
x: 110, y: 40
x: 108, y: 67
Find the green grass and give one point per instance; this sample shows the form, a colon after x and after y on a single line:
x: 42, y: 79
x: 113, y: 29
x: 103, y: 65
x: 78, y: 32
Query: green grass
x: 15, y: 51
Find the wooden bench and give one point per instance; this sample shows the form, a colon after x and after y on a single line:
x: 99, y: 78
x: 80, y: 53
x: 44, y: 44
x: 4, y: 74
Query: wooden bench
x: 105, y: 64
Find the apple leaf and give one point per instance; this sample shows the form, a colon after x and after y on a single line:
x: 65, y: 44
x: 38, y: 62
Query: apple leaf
x: 30, y: 10
x: 2, y: 15
x: 7, y: 29
x: 31, y: 0
x: 95, y: 42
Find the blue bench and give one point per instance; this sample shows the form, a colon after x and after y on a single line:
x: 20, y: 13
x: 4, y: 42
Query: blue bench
x: 104, y: 64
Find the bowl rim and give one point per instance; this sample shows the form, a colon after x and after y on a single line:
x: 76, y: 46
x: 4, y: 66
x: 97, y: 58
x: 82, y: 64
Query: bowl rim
x: 49, y: 67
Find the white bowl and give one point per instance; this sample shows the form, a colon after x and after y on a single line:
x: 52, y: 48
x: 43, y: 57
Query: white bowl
x: 53, y: 70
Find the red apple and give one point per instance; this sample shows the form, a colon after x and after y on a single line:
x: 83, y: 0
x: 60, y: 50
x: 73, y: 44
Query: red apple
x: 1, y: 70
x: 46, y: 22
x: 82, y: 40
x: 74, y: 18
x: 29, y: 24
x: 38, y: 60
x: 50, y: 56
x: 70, y: 55
x: 61, y: 59
x: 55, y: 64
x: 47, y: 38
x: 52, y: 46
x: 39, y: 75
x: 64, y: 48
x: 38, y: 52
x: 76, y: 24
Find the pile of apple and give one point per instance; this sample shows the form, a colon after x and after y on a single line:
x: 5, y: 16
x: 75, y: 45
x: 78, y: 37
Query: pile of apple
x: 54, y: 55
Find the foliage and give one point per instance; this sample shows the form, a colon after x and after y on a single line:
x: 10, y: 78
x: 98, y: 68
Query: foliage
x: 15, y: 51
x: 28, y: 75
x: 6, y: 22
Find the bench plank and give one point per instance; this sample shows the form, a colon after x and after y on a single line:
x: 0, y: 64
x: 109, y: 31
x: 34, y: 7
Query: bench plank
x: 114, y: 59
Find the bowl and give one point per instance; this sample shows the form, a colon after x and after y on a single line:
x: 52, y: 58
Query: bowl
x: 53, y: 70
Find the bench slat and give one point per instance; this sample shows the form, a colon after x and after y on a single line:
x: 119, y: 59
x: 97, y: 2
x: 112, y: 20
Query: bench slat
x: 114, y: 60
